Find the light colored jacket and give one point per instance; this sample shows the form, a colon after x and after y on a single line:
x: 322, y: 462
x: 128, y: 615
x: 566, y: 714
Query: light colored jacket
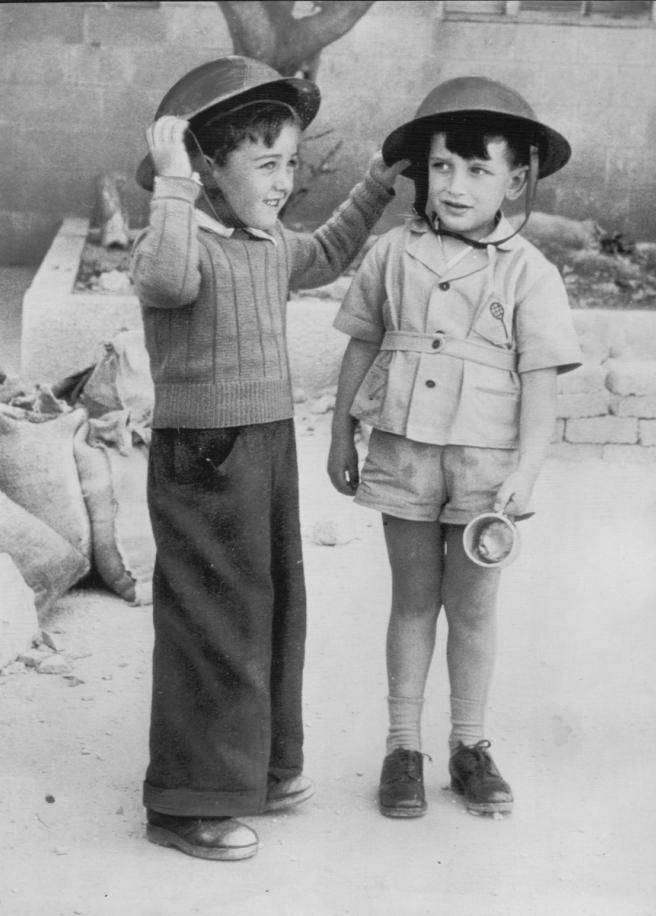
x: 454, y: 341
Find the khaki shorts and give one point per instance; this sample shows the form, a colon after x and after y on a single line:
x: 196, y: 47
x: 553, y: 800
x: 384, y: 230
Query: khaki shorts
x: 424, y: 483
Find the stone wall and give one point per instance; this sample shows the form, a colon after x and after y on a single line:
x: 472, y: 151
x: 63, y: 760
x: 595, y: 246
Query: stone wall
x: 80, y: 81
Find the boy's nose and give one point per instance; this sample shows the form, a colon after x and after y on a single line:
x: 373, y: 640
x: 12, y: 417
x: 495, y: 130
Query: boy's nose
x: 283, y: 180
x: 456, y: 184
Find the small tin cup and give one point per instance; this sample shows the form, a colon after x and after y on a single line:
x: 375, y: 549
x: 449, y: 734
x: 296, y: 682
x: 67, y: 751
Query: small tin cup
x: 491, y: 540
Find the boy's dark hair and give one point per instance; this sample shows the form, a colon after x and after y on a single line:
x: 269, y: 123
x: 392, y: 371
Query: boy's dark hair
x: 258, y: 121
x: 469, y: 141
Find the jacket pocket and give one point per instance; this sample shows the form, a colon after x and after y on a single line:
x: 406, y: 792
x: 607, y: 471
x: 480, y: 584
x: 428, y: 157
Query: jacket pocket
x: 491, y: 398
x: 371, y: 393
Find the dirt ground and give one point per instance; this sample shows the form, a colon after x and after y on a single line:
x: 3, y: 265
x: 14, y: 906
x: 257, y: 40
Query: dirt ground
x: 571, y: 721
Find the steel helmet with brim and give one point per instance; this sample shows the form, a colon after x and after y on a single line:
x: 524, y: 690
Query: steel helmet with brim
x: 481, y: 102
x: 221, y: 86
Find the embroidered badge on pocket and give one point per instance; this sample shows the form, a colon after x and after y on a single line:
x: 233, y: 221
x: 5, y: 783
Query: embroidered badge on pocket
x: 494, y: 323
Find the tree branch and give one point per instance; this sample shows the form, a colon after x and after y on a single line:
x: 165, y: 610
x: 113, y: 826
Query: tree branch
x: 268, y: 31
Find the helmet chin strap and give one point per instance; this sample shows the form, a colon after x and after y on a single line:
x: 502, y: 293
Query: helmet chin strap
x: 531, y: 184
x: 208, y: 184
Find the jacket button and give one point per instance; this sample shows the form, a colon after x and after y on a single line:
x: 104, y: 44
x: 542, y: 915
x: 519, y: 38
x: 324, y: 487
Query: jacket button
x: 430, y: 383
x: 444, y: 286
x: 436, y: 344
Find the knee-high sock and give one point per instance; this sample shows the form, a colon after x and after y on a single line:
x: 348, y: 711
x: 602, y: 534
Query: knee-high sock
x: 404, y: 723
x: 467, y: 721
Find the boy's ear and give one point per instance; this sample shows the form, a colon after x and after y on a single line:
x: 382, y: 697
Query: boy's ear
x: 517, y: 182
x: 203, y: 165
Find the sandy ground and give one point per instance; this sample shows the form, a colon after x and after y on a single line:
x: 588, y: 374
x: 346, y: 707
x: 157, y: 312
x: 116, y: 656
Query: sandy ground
x: 571, y: 720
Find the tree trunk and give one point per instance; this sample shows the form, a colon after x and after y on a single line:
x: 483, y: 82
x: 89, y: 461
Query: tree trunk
x: 266, y: 30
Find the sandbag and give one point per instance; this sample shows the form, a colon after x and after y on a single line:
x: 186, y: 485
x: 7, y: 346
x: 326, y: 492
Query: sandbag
x: 39, y: 473
x: 121, y: 380
x: 19, y: 626
x: 114, y: 489
x: 47, y: 562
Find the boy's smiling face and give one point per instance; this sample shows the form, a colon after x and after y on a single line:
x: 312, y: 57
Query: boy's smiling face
x: 466, y: 194
x: 256, y: 180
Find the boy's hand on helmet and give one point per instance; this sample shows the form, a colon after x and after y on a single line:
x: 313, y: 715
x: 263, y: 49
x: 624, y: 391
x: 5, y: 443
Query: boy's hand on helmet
x: 386, y: 174
x: 167, y: 149
x: 343, y: 465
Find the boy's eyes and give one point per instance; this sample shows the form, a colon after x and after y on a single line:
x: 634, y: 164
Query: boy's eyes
x: 474, y: 168
x: 271, y: 164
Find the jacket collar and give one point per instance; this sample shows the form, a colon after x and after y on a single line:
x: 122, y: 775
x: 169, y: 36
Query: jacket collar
x: 422, y: 245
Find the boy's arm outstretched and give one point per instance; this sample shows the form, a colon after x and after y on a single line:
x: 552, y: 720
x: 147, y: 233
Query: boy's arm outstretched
x: 536, y: 424
x: 343, y: 456
x: 322, y: 256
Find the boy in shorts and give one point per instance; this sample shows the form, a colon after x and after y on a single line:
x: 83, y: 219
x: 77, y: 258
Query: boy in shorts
x: 458, y: 329
x: 212, y: 271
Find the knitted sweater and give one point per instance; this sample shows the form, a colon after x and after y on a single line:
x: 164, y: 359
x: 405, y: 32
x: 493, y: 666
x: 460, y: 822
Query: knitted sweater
x: 214, y: 306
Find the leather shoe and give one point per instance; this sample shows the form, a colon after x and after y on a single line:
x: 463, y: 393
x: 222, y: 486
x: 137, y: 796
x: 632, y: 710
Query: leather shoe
x: 203, y: 837
x: 284, y: 793
x: 401, y: 792
x: 475, y: 777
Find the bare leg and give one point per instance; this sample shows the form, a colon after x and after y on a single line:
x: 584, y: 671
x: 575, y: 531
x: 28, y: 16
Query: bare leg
x: 415, y: 552
x: 469, y: 593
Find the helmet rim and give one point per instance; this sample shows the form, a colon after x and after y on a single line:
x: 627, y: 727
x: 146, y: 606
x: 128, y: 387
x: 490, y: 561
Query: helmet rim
x: 470, y: 101
x: 196, y: 97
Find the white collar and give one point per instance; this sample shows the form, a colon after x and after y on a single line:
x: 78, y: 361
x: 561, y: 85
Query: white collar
x: 205, y: 221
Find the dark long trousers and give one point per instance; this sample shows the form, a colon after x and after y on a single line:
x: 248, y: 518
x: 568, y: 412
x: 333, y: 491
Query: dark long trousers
x: 229, y: 618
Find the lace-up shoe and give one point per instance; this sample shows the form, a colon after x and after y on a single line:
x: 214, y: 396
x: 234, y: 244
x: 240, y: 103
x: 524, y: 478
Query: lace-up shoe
x: 475, y: 777
x: 401, y: 792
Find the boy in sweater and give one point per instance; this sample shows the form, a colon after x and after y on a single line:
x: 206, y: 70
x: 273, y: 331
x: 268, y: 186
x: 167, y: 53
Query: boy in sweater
x: 212, y: 271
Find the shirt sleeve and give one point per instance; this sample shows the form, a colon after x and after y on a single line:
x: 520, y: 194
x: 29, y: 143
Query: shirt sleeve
x: 546, y: 337
x: 322, y: 256
x: 361, y: 312
x: 165, y: 259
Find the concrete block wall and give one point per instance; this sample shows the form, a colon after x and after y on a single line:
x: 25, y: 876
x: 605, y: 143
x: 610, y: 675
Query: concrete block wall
x: 80, y: 81
x: 608, y: 406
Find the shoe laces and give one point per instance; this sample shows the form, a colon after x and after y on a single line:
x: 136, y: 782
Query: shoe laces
x: 479, y: 751
x: 406, y: 763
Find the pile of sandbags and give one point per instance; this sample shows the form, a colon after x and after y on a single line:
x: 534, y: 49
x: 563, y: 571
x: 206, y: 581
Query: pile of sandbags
x: 73, y: 480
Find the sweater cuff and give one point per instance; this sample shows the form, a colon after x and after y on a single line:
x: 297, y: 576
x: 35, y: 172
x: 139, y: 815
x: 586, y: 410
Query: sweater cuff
x: 378, y: 187
x: 372, y: 193
x: 184, y: 188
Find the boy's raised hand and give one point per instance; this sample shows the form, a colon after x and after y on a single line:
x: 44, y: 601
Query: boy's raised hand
x: 386, y: 174
x: 165, y: 139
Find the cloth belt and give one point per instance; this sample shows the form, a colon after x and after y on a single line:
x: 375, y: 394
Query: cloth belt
x: 442, y: 344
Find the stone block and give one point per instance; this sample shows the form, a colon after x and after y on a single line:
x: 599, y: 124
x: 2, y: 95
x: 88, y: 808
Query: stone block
x: 647, y: 432
x: 62, y: 330
x: 619, y: 430
x: 631, y: 377
x: 559, y: 431
x: 584, y: 404
x: 623, y: 454
x: 566, y: 451
x: 590, y: 376
x: 629, y: 333
x: 19, y: 625
x: 633, y: 406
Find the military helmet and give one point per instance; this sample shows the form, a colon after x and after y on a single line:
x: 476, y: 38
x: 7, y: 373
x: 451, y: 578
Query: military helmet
x: 219, y: 86
x: 474, y: 100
